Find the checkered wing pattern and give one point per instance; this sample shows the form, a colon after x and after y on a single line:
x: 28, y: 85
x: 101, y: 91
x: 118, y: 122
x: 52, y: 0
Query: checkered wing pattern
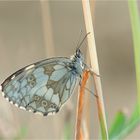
x: 41, y: 87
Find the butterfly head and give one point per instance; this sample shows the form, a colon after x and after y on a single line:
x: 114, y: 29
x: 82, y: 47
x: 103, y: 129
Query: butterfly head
x: 78, y: 65
x: 79, y: 55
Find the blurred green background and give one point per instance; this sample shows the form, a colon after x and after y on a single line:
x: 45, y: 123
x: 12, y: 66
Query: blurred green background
x: 33, y: 30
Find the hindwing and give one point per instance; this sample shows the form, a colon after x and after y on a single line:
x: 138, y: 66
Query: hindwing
x: 43, y: 86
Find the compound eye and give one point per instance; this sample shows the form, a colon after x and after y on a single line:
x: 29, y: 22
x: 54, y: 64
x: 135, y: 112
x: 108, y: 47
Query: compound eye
x: 78, y: 53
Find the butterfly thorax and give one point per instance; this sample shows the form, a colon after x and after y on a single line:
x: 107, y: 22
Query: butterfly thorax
x: 77, y: 63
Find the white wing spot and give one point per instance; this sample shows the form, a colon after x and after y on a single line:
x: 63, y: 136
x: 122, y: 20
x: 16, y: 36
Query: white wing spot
x: 3, y: 94
x: 29, y: 67
x: 16, y: 105
x: 21, y: 107
x: 0, y: 87
x: 13, y: 77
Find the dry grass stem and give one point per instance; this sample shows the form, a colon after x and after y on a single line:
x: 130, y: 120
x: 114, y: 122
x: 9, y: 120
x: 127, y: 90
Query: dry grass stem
x: 88, y: 96
x: 47, y: 28
x: 94, y: 65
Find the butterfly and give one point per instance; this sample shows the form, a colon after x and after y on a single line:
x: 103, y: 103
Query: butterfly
x: 45, y: 85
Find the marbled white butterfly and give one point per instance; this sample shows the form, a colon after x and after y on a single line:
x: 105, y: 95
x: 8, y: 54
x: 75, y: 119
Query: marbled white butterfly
x: 46, y: 85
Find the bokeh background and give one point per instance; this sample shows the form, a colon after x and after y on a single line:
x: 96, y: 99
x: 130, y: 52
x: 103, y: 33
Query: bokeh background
x: 34, y: 30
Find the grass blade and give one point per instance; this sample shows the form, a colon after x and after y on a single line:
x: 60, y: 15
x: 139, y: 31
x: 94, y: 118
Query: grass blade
x: 135, y: 24
x: 117, y: 125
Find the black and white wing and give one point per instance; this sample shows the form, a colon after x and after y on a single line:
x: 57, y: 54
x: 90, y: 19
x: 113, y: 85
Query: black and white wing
x: 41, y: 87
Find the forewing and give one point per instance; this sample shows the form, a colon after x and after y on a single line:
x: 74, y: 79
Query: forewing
x: 41, y: 87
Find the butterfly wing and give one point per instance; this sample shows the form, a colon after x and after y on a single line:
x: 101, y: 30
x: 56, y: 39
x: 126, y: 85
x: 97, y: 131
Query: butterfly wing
x: 41, y: 87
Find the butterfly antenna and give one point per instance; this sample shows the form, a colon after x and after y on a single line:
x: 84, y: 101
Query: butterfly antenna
x: 78, y: 46
x: 79, y: 38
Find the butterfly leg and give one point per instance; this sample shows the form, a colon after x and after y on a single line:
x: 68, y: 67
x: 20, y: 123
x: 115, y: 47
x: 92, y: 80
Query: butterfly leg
x: 91, y: 70
x: 95, y: 95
